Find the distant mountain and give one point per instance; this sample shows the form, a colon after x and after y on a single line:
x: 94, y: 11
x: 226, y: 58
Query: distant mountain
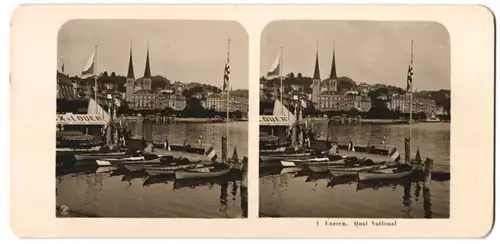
x: 240, y: 93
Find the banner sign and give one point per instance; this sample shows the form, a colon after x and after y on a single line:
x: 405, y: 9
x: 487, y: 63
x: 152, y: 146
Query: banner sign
x: 270, y: 120
x: 80, y: 119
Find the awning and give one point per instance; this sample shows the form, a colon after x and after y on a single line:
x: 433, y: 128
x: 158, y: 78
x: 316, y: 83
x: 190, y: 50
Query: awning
x: 270, y: 120
x: 80, y: 119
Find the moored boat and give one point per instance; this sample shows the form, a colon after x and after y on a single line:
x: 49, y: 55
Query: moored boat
x: 109, y: 162
x: 92, y: 156
x: 169, y: 170
x: 383, y: 174
x: 279, y: 157
x: 337, y: 172
x: 203, y: 172
x: 313, y: 161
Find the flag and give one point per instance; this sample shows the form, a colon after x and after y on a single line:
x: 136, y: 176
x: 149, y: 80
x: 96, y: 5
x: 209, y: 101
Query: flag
x: 211, y: 154
x: 235, y: 155
x: 89, y: 67
x: 166, y: 145
x: 409, y: 79
x: 275, y: 69
x: 418, y: 159
x: 351, y: 147
x: 394, y: 155
x: 227, y: 73
x: 62, y: 66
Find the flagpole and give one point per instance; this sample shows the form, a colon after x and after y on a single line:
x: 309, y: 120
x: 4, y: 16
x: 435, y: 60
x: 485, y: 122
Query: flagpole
x: 95, y: 77
x: 410, y: 89
x: 281, y: 78
x: 228, y: 93
x: 411, y: 96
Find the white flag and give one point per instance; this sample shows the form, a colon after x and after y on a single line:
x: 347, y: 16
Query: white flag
x: 89, y: 67
x: 275, y: 69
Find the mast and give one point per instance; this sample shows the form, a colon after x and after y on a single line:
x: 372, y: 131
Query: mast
x: 411, y: 93
x: 227, y: 105
x: 95, y: 77
x: 227, y: 99
x: 281, y: 78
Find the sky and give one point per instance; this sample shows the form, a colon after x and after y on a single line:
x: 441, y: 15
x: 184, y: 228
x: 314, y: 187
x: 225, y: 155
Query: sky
x: 366, y: 51
x: 184, y: 50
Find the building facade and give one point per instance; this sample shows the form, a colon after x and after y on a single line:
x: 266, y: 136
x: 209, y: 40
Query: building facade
x: 401, y: 103
x: 218, y: 102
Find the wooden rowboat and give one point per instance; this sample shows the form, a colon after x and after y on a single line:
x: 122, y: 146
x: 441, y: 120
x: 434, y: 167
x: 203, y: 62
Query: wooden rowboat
x: 353, y: 171
x: 92, y: 156
x: 383, y: 174
x: 203, y: 172
x: 109, y: 162
x: 314, y: 161
x: 169, y: 170
x: 292, y: 156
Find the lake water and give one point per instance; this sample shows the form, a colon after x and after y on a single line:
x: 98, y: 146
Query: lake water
x: 110, y: 192
x: 315, y: 195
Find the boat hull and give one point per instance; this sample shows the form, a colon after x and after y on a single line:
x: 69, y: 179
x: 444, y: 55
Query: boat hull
x: 181, y: 174
x: 168, y: 170
x: 362, y: 176
x: 287, y: 157
x: 100, y: 156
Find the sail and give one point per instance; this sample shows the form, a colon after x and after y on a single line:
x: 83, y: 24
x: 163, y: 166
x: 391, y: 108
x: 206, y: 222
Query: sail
x: 281, y: 110
x: 96, y: 109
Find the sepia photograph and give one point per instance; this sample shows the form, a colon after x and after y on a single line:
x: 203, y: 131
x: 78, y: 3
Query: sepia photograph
x: 152, y: 119
x: 354, y: 120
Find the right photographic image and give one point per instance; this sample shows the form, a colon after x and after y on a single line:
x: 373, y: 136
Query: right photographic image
x: 354, y: 119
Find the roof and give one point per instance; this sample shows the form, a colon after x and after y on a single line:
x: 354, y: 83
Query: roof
x: 64, y: 79
x: 130, y: 73
x: 147, y: 69
x: 316, y: 75
x: 333, y: 71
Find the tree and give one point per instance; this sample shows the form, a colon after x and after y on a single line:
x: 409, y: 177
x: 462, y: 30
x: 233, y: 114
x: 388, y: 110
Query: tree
x: 353, y: 112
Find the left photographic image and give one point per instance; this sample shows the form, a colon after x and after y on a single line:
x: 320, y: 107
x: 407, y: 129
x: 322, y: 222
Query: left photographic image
x: 152, y: 119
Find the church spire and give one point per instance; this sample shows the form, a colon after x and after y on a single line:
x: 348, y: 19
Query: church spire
x: 130, y: 73
x: 316, y: 67
x: 147, y: 70
x: 333, y: 72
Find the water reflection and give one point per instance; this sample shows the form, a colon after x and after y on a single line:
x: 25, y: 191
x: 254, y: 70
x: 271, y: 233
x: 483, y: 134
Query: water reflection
x: 100, y: 188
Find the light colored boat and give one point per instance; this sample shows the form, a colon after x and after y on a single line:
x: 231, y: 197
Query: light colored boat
x: 323, y: 168
x: 92, y: 156
x: 109, y: 162
x: 314, y: 161
x: 168, y: 170
x: 278, y: 157
x: 383, y: 174
x: 204, y: 172
x: 136, y: 167
x: 290, y: 170
x: 354, y: 171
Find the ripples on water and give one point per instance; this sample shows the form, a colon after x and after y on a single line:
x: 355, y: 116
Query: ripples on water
x: 315, y: 195
x: 111, y: 192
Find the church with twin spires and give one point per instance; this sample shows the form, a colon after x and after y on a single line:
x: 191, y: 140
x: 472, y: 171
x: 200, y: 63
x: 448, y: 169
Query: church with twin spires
x: 143, y: 97
x: 328, y: 98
